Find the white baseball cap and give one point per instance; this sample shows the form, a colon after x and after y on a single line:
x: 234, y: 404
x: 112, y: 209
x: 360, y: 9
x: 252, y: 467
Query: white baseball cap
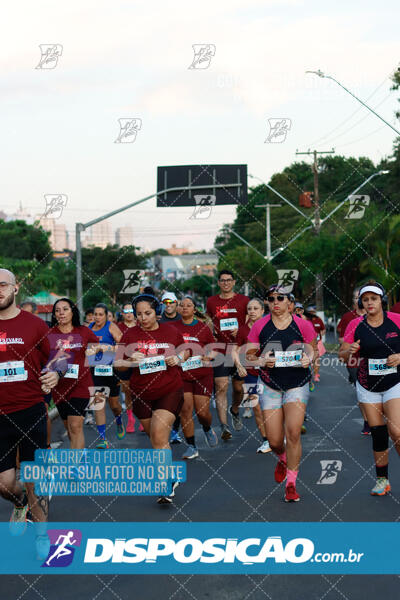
x: 169, y: 296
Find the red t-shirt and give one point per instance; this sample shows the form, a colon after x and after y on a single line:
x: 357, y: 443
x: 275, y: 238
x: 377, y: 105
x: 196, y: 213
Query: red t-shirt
x: 123, y: 327
x: 242, y: 341
x: 395, y: 308
x: 318, y: 325
x: 223, y: 309
x: 24, y: 343
x: 197, y: 336
x: 72, y: 346
x: 345, y: 320
x: 164, y: 341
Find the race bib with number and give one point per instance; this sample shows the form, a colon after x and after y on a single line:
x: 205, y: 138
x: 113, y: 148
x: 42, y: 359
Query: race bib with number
x: 103, y: 370
x: 72, y: 372
x: 289, y: 358
x: 13, y: 371
x: 152, y: 365
x: 378, y: 366
x: 194, y: 362
x: 228, y: 324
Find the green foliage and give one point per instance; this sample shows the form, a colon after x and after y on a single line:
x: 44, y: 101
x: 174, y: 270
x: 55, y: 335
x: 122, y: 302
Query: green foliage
x: 22, y: 241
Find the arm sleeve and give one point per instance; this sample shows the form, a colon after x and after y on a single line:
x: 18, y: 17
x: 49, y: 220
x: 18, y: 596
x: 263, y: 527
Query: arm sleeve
x: 254, y: 334
x: 350, y: 329
x: 395, y: 317
x: 306, y: 329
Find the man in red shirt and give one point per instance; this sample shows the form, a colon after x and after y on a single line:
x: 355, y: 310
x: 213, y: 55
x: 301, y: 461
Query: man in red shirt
x: 24, y: 352
x: 228, y: 312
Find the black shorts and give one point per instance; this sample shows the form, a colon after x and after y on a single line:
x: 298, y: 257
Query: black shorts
x: 172, y: 401
x: 224, y: 371
x: 124, y: 375
x: 24, y: 429
x: 73, y: 407
x: 111, y: 382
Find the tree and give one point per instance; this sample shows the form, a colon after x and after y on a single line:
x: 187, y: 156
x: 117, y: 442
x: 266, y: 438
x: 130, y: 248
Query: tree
x: 23, y: 241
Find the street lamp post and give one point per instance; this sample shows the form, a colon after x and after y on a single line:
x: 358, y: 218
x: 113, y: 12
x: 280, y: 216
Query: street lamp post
x: 268, y: 226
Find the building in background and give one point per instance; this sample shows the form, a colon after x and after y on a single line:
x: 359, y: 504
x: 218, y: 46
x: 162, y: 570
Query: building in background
x: 124, y: 236
x: 58, y: 232
x: 99, y: 235
x: 185, y: 266
x: 174, y: 251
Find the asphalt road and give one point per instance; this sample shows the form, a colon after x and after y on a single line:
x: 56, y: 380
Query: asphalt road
x: 233, y: 483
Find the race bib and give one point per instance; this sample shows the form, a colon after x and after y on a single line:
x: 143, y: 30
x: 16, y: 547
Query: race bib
x: 13, y: 371
x: 152, y: 365
x: 103, y: 370
x: 289, y: 358
x: 72, y: 372
x: 194, y: 362
x: 228, y: 324
x: 378, y: 366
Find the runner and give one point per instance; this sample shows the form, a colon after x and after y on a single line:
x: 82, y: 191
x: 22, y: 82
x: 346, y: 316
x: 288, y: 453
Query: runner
x: 197, y: 377
x: 376, y: 336
x: 156, y: 381
x: 128, y: 321
x: 102, y: 372
x: 89, y: 316
x: 320, y: 329
x: 352, y: 368
x: 282, y: 340
x: 170, y: 315
x: 228, y: 312
x: 24, y: 353
x: 255, y: 311
x: 69, y: 341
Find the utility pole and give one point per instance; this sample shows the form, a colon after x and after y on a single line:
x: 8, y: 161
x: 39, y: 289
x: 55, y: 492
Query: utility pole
x: 268, y: 227
x: 319, y: 297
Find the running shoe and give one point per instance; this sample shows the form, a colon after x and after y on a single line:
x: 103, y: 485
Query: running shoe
x: 280, y: 471
x: 290, y: 493
x: 168, y: 499
x: 103, y: 445
x: 120, y: 431
x: 191, y: 452
x: 130, y: 426
x: 316, y: 377
x: 247, y: 413
x: 303, y: 429
x: 381, y: 488
x: 236, y: 421
x: 264, y: 448
x: 18, y: 520
x: 89, y: 419
x: 42, y: 543
x: 211, y: 438
x: 225, y: 433
x: 311, y: 386
x: 175, y: 438
x: 366, y: 429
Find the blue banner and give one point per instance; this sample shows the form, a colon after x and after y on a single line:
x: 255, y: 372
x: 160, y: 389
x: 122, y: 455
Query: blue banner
x: 213, y: 548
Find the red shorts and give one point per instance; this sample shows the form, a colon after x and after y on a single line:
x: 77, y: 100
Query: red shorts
x: 173, y: 402
x: 199, y: 387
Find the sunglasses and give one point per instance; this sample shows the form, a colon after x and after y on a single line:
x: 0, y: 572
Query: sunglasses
x: 128, y: 310
x: 169, y: 301
x: 279, y: 298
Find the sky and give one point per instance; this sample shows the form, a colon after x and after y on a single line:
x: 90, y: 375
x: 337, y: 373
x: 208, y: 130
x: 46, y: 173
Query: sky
x: 130, y: 59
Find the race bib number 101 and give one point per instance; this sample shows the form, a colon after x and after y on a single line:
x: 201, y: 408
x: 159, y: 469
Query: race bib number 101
x: 13, y: 371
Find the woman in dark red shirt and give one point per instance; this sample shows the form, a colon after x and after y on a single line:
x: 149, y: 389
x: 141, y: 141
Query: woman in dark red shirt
x: 128, y: 321
x: 154, y: 350
x: 197, y: 377
x: 69, y: 340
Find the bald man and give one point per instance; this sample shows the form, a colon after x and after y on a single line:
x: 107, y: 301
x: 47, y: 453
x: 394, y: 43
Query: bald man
x: 24, y: 352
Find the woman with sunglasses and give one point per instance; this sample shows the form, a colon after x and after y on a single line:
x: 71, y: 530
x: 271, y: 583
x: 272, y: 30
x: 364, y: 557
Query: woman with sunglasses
x: 197, y: 376
x: 108, y: 334
x: 280, y: 344
x: 70, y: 340
x: 128, y: 321
x: 155, y: 352
x: 376, y: 337
x: 255, y: 311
